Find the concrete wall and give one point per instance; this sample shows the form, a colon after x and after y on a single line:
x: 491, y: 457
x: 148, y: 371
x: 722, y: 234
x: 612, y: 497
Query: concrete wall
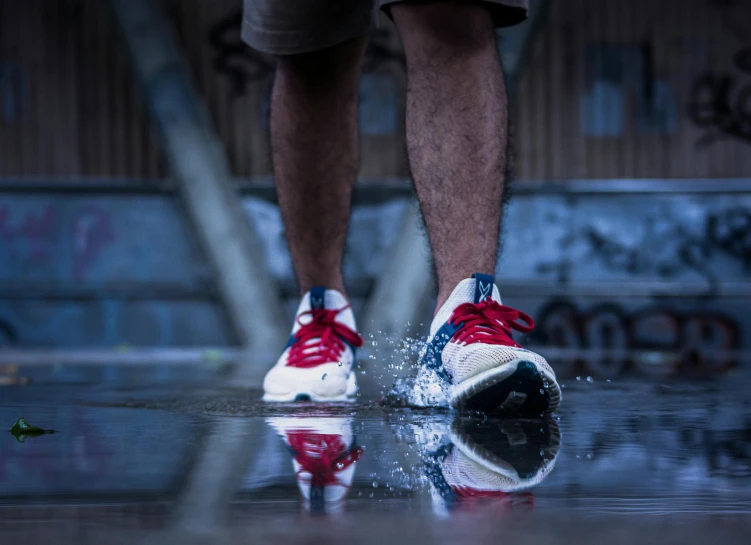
x: 644, y: 270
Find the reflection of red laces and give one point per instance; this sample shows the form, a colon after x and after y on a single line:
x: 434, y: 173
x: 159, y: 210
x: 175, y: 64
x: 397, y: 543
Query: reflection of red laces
x: 331, y: 335
x: 509, y: 500
x: 322, y: 456
x: 489, y: 322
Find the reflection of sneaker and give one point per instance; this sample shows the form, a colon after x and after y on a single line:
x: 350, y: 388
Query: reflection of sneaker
x: 472, y: 351
x: 494, y: 463
x: 324, y: 454
x: 317, y: 363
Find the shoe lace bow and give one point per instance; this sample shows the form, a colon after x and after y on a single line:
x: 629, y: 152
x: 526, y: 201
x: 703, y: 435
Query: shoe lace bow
x: 489, y: 322
x: 331, y: 337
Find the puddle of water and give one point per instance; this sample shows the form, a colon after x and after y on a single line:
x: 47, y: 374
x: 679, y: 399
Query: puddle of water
x: 204, y: 463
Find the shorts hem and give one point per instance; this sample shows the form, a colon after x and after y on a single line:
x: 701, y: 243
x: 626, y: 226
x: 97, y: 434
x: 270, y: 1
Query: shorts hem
x: 298, y: 42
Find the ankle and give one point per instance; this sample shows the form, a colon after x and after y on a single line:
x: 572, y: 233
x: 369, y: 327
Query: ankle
x: 331, y: 284
x: 446, y: 287
x: 441, y: 300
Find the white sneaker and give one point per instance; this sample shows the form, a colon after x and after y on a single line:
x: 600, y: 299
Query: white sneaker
x: 472, y: 353
x: 324, y: 455
x: 317, y: 363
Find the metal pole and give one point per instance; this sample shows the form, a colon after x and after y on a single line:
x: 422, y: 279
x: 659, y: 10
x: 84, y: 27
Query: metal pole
x: 198, y: 164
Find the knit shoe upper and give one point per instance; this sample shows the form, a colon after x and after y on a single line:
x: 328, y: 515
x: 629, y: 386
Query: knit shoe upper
x: 317, y: 362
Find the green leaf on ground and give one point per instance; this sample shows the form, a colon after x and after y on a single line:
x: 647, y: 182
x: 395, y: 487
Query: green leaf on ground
x: 22, y: 429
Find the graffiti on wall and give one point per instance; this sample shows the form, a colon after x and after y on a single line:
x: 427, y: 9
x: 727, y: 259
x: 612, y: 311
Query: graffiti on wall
x: 110, y: 323
x: 700, y: 342
x: 667, y: 248
x: 68, y: 255
x: 687, y: 241
x: 34, y: 242
x: 721, y: 102
x: 727, y: 231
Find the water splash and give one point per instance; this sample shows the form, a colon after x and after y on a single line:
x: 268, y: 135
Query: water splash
x: 405, y: 382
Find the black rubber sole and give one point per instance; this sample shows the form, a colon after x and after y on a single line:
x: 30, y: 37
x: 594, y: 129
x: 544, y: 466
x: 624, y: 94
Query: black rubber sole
x: 527, y: 445
x: 520, y: 394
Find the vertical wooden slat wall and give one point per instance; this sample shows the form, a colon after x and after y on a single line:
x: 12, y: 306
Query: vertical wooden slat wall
x: 69, y: 107
x: 687, y: 39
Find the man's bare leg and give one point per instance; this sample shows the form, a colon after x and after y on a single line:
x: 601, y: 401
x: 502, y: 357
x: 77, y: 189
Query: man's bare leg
x: 456, y: 132
x: 315, y: 146
x: 315, y: 153
x: 457, y: 141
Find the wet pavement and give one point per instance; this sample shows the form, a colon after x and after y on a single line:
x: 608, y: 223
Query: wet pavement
x: 625, y: 461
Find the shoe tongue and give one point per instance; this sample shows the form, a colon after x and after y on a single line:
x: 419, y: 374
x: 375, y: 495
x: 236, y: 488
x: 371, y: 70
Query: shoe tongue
x: 321, y: 298
x: 483, y: 287
x: 471, y: 290
x: 316, y: 297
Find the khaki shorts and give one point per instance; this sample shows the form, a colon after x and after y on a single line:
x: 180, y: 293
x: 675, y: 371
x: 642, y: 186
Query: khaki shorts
x: 288, y: 27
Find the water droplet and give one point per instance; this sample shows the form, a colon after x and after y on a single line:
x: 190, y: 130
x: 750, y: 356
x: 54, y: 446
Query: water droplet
x: 590, y: 379
x: 324, y: 376
x: 589, y: 456
x: 375, y: 343
x: 578, y: 378
x: 542, y: 391
x: 375, y: 484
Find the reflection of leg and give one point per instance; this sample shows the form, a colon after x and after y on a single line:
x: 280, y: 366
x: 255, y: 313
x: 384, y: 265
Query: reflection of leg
x: 456, y: 132
x: 314, y: 141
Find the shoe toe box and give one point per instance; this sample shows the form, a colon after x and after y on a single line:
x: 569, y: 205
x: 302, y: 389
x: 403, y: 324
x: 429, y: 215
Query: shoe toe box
x: 325, y: 380
x: 468, y: 360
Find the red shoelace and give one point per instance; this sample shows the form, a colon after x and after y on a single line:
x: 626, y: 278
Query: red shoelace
x: 489, y: 322
x: 332, y: 337
x: 322, y: 456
